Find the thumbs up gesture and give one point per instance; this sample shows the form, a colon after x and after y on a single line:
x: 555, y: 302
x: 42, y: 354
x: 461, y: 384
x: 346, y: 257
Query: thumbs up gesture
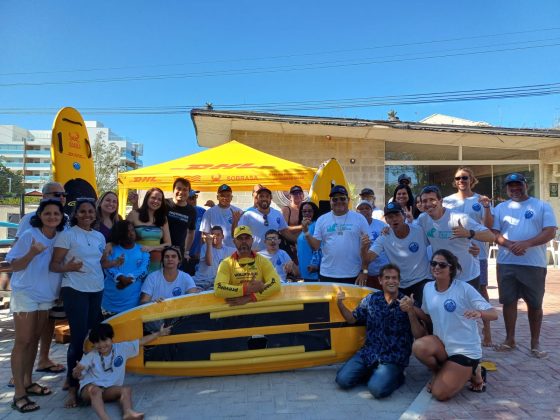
x: 407, y: 303
x: 459, y: 231
x: 340, y: 296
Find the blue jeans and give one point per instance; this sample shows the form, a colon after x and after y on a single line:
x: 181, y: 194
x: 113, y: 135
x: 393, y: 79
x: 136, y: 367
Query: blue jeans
x: 83, y: 310
x: 382, y: 379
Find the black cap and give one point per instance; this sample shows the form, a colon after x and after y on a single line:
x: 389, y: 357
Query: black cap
x: 224, y: 187
x: 338, y: 189
x: 403, y: 177
x: 367, y: 191
x: 515, y: 177
x: 392, y: 207
x: 295, y: 189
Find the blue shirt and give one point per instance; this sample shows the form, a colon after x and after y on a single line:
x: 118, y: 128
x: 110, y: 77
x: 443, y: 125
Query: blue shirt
x: 388, y: 333
x: 197, y: 243
x: 305, y: 255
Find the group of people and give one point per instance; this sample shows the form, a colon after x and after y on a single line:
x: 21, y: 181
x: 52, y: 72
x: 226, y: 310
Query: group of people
x: 427, y: 256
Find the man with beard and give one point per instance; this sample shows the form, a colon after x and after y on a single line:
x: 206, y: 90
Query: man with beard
x: 523, y: 225
x: 245, y: 276
x: 221, y: 215
x: 338, y: 234
x: 263, y: 218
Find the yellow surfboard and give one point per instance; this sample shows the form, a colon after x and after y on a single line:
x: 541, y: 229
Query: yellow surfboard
x: 72, y: 159
x: 299, y: 327
x: 329, y: 174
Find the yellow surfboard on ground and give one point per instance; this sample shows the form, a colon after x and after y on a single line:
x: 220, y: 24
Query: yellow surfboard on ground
x: 329, y: 174
x: 299, y: 327
x: 72, y: 159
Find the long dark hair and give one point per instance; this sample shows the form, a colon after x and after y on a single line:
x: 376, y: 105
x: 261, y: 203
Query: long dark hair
x: 313, y: 206
x: 411, y: 202
x: 160, y: 215
x: 119, y: 232
x: 115, y: 217
x: 36, y: 218
x: 79, y: 203
x: 451, y: 259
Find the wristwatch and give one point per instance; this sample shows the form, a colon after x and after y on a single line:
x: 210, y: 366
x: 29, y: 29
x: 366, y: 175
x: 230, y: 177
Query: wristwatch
x: 365, y: 271
x: 471, y: 234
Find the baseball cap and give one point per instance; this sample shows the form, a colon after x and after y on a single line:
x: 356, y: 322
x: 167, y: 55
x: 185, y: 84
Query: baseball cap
x: 261, y: 189
x: 515, y: 177
x: 193, y: 193
x: 403, y: 177
x: 224, y: 187
x: 338, y: 189
x: 242, y: 230
x: 367, y: 191
x: 365, y: 202
x: 392, y: 207
x: 295, y: 189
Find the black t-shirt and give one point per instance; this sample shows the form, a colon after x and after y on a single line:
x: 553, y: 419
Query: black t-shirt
x: 181, y: 220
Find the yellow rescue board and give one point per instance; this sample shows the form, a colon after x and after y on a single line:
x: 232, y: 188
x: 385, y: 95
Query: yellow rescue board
x: 72, y: 160
x: 298, y: 328
x: 329, y: 174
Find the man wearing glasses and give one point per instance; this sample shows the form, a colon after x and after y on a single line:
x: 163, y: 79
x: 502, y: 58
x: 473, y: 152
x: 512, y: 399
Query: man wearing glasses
x: 454, y: 231
x: 263, y: 218
x: 338, y: 234
x: 279, y: 258
x: 50, y: 190
x: 245, y: 276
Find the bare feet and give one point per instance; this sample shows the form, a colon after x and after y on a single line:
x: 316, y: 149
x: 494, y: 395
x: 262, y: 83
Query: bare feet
x: 132, y: 415
x: 504, y: 347
x: 478, y: 380
x: 71, y: 399
x: 430, y: 383
x: 487, y: 337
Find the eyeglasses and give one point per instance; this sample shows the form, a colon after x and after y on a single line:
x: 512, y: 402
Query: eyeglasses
x: 463, y: 178
x: 265, y: 218
x: 50, y: 201
x: 337, y: 199
x: 441, y: 265
x: 57, y: 194
x: 271, y: 239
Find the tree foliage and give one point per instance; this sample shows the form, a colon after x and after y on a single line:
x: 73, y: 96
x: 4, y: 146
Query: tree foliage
x: 16, y: 181
x: 106, y: 160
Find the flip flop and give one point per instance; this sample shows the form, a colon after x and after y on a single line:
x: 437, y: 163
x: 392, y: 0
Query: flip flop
x: 56, y: 368
x: 539, y: 354
x: 43, y: 390
x: 10, y: 383
x: 24, y: 408
x: 504, y: 348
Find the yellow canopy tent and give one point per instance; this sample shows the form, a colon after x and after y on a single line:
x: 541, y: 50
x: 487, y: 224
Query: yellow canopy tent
x: 233, y: 163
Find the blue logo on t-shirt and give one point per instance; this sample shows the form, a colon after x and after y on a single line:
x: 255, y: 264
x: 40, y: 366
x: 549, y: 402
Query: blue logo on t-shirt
x: 413, y: 247
x: 118, y: 361
x: 278, y: 262
x: 176, y: 291
x: 529, y: 214
x: 230, y: 220
x: 450, y: 305
x: 476, y: 207
x: 138, y: 262
x: 278, y: 221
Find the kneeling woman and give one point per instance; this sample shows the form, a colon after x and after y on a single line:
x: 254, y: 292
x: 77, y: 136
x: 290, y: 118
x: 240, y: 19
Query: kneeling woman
x: 453, y: 353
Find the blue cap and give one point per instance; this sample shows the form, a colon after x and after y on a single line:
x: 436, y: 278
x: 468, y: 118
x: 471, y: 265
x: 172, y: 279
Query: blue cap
x: 392, y: 207
x: 515, y: 177
x: 193, y: 193
x: 338, y: 189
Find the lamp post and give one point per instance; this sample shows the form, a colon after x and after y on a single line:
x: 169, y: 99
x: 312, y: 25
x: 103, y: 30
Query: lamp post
x: 9, y: 185
x: 22, y: 199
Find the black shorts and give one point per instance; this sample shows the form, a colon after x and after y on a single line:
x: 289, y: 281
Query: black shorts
x: 521, y: 282
x: 464, y: 361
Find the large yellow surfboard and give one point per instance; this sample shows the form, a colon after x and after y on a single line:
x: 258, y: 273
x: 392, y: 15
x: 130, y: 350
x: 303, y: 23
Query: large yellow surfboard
x: 72, y: 159
x: 299, y: 327
x: 329, y: 174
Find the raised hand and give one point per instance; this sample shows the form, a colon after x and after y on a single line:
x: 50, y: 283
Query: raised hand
x: 459, y: 231
x: 472, y: 314
x: 407, y: 303
x: 36, y: 247
x: 340, y: 296
x: 485, y: 201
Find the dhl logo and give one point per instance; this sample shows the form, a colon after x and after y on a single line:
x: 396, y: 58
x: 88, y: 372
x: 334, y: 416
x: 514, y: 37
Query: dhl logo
x: 144, y: 179
x: 222, y: 166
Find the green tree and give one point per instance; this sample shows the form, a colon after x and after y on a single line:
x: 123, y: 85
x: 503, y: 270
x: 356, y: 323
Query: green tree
x: 106, y: 161
x: 10, y: 181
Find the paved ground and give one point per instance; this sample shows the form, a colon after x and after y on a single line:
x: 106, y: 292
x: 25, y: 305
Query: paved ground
x: 522, y: 387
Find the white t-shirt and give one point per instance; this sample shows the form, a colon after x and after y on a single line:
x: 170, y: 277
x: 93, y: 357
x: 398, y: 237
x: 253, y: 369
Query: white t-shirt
x: 519, y: 221
x: 409, y: 253
x: 40, y: 284
x: 340, y: 238
x: 375, y: 228
x: 86, y: 246
x: 439, y: 233
x: 472, y: 208
x: 207, y: 273
x: 111, y: 371
x: 278, y: 259
x: 157, y: 287
x: 377, y: 214
x: 24, y: 224
x: 218, y: 216
x: 459, y: 335
x: 256, y: 221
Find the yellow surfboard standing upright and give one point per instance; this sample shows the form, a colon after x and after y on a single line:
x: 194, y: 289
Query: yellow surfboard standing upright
x: 72, y: 159
x: 329, y: 174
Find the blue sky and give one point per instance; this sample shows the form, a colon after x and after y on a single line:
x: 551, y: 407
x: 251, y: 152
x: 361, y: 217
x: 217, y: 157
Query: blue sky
x: 47, y: 41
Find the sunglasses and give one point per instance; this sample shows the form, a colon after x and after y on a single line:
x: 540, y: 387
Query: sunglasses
x: 462, y: 178
x: 85, y: 200
x: 57, y: 194
x: 441, y: 265
x: 265, y: 218
x: 337, y: 199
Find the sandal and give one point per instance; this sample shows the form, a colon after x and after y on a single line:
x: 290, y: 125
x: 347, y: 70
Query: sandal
x: 27, y: 407
x: 481, y: 385
x: 43, y: 390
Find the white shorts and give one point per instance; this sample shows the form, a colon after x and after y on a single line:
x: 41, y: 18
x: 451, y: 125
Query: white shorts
x: 21, y: 302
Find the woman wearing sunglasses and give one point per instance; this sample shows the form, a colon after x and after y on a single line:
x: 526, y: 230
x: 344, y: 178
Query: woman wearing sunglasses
x: 478, y: 208
x: 453, y: 352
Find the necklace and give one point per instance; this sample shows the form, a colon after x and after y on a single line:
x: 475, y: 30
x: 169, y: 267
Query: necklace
x: 110, y: 368
x: 340, y: 227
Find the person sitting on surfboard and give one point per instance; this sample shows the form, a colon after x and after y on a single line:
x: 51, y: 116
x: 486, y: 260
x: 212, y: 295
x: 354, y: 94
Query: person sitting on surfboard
x: 101, y: 371
x: 391, y: 325
x: 245, y: 276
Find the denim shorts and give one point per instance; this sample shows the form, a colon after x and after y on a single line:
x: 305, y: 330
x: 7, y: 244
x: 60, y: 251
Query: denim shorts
x: 20, y: 301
